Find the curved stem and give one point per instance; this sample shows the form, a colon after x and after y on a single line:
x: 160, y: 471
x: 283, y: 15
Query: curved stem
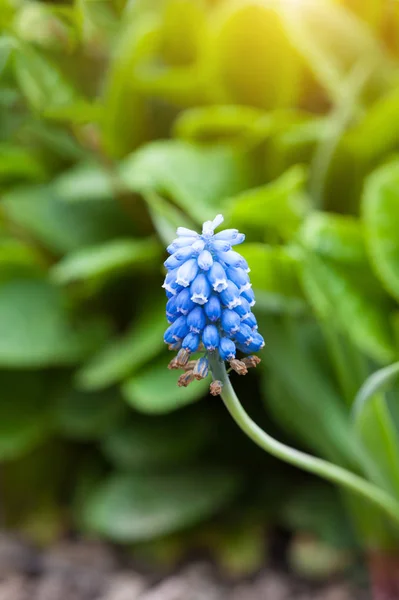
x: 299, y: 459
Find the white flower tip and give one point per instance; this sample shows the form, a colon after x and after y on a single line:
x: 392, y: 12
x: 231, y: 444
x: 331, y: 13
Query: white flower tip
x: 235, y: 302
x: 218, y: 220
x: 199, y: 299
x: 183, y: 282
x: 209, y: 226
x: 220, y: 285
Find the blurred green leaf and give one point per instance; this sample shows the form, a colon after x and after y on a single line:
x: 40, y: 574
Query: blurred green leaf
x: 182, y: 32
x: 78, y: 112
x: 130, y: 508
x: 43, y: 471
x: 381, y: 218
x: 16, y: 253
x: 25, y: 412
x: 317, y: 509
x: 84, y: 182
x: 196, y: 178
x: 296, y: 356
x: 154, y: 390
x: 336, y: 297
x: 88, y: 416
x: 275, y: 278
x: 294, y: 142
x: 378, y: 125
x: 316, y: 30
x: 40, y: 80
x: 223, y: 122
x: 37, y: 330
x: 153, y: 443
x: 123, y: 356
x: 373, y: 421
x: 6, y: 47
x: 60, y: 225
x: 374, y: 384
x: 166, y: 217
x: 106, y: 260
x: 376, y: 429
x: 125, y: 123
x: 18, y: 164
x: 274, y: 77
x: 335, y: 237
x: 279, y: 206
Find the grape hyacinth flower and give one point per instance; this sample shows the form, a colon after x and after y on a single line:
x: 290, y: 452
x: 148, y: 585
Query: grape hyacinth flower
x: 209, y: 303
x: 209, y: 312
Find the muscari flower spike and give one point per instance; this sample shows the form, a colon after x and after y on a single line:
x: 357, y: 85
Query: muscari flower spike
x: 209, y: 302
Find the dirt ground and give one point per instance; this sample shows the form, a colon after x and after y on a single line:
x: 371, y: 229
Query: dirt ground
x: 91, y: 571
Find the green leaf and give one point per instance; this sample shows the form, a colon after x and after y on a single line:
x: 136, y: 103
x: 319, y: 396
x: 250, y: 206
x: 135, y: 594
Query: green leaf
x: 155, y: 391
x: 166, y: 217
x: 279, y: 206
x: 296, y: 357
x: 230, y: 123
x: 375, y: 427
x: 60, y: 225
x: 126, y: 355
x: 18, y: 164
x: 337, y: 297
x: 336, y: 237
x: 316, y: 31
x: 40, y: 81
x: 275, y: 278
x: 16, y: 253
x: 183, y: 31
x: 36, y: 329
x: 6, y: 47
x: 131, y: 508
x: 317, y: 509
x: 126, y: 119
x: 243, y: 34
x: 78, y: 112
x: 85, y: 416
x: 25, y: 416
x: 381, y: 217
x: 84, y: 182
x: 294, y: 142
x: 376, y: 383
x: 105, y: 260
x: 376, y: 134
x: 196, y: 178
x: 152, y: 443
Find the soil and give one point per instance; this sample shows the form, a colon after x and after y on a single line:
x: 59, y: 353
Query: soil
x: 82, y: 570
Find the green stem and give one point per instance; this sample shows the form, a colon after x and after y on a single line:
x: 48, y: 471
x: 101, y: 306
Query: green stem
x: 309, y: 463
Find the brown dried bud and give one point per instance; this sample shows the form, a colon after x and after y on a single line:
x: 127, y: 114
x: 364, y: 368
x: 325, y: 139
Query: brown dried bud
x: 182, y: 357
x: 238, y: 366
x: 216, y: 388
x: 185, y: 379
x: 251, y: 361
x: 173, y: 364
x: 190, y: 365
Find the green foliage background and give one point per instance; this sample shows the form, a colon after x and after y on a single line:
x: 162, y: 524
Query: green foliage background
x: 120, y: 120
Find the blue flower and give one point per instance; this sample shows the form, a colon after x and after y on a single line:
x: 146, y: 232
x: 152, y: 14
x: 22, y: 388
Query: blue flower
x: 210, y: 300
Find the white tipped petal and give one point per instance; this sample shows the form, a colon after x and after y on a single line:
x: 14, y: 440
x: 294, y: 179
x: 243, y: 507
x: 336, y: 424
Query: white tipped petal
x: 218, y: 220
x: 183, y: 231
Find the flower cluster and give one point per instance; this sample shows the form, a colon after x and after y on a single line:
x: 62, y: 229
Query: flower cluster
x: 209, y: 301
